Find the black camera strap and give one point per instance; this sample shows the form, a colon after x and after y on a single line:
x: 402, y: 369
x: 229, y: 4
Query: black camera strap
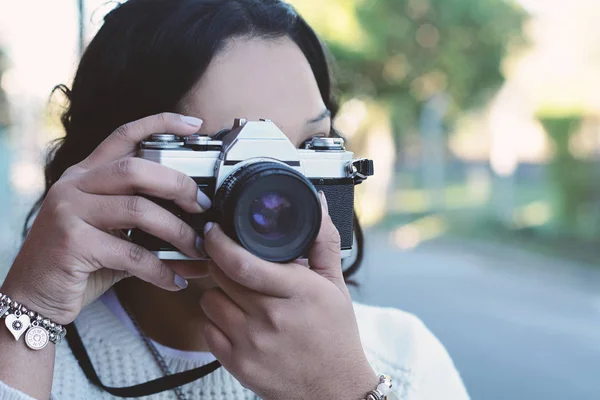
x: 158, y: 385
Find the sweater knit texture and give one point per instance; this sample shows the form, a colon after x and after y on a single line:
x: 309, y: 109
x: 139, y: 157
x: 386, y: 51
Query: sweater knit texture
x: 396, y: 343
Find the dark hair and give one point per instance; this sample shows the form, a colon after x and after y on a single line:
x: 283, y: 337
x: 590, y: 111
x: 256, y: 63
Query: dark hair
x: 147, y: 56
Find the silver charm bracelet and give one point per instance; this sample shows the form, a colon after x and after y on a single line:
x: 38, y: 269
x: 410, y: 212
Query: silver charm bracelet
x: 20, y: 320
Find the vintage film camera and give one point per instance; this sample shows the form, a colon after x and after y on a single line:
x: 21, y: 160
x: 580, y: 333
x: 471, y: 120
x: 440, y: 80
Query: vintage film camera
x: 263, y: 189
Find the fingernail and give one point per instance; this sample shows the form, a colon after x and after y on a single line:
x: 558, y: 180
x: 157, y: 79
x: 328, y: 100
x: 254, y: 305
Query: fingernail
x: 208, y: 227
x: 193, y: 121
x: 203, y: 200
x: 200, y: 245
x: 180, y: 282
x: 324, y: 202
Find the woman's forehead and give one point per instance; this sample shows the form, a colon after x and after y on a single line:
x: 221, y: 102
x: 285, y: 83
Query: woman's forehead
x: 257, y: 78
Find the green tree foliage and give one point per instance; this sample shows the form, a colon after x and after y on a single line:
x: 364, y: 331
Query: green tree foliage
x: 408, y: 50
x: 571, y: 178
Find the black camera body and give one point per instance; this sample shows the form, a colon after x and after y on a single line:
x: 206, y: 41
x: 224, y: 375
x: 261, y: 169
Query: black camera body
x: 264, y: 190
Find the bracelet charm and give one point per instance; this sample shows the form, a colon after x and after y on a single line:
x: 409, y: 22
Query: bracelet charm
x: 17, y: 324
x: 37, y: 337
x: 38, y: 331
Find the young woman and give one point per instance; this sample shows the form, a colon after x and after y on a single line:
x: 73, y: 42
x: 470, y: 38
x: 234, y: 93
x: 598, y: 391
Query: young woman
x: 279, y: 331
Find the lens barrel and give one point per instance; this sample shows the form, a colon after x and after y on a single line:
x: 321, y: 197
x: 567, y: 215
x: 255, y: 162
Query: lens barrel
x: 270, y: 209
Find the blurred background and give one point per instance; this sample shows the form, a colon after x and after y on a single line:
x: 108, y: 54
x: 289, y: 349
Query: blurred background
x: 483, y: 117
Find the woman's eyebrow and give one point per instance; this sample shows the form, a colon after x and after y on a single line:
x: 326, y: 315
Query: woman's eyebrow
x: 321, y: 117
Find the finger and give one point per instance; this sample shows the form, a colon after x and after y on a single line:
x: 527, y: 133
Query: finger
x: 244, y: 298
x: 303, y: 262
x: 217, y: 341
x: 325, y: 256
x: 130, y: 212
x: 124, y: 141
x: 224, y: 313
x: 114, y: 253
x: 189, y: 269
x: 135, y: 175
x: 245, y: 268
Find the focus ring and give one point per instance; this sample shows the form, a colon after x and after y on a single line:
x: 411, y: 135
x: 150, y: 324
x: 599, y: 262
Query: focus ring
x: 233, y: 200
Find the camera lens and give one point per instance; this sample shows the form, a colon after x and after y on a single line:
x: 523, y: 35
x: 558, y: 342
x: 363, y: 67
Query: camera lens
x: 272, y: 215
x: 270, y: 209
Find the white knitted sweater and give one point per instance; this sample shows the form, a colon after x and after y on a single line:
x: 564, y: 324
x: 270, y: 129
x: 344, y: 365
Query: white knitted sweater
x: 396, y: 343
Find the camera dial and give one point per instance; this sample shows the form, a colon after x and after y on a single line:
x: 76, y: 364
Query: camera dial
x: 202, y: 143
x: 163, y: 141
x: 324, y: 143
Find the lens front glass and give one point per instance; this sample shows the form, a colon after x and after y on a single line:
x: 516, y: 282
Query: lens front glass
x: 273, y: 215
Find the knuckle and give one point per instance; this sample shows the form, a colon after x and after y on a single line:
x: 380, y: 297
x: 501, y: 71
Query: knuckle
x: 125, y: 167
x: 56, y: 193
x: 243, y: 271
x: 73, y: 170
x: 136, y: 253
x: 181, y: 183
x: 184, y: 232
x: 56, y: 202
x: 276, y: 319
x: 123, y: 131
x: 163, y: 118
x: 163, y: 270
x: 333, y: 237
x: 136, y: 207
x: 255, y: 340
x: 73, y: 233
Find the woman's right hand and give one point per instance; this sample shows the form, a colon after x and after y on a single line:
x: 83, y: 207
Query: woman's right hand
x: 70, y: 257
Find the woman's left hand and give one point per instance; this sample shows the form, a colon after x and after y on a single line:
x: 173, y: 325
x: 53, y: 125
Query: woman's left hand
x: 285, y: 331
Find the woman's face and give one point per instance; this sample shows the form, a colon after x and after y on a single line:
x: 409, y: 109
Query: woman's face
x: 256, y: 78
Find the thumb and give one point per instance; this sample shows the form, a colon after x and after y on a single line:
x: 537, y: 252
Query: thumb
x: 325, y: 256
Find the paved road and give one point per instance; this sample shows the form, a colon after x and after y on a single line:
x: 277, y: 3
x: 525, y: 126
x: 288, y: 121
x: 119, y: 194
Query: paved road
x: 519, y: 326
